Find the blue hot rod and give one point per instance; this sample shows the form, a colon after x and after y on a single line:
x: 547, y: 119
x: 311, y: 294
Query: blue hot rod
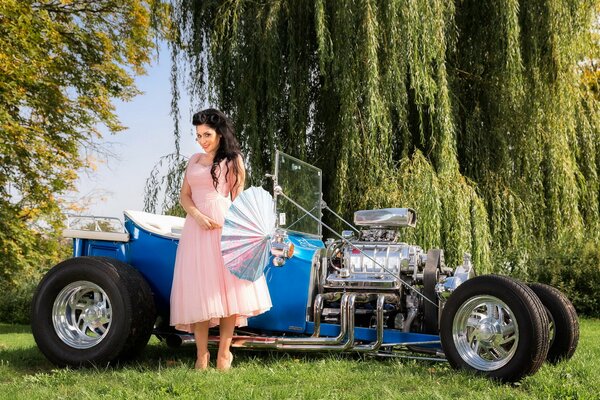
x: 363, y: 291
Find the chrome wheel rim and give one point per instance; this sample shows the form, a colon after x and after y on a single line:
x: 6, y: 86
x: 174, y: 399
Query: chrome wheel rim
x: 485, y: 333
x: 82, y: 314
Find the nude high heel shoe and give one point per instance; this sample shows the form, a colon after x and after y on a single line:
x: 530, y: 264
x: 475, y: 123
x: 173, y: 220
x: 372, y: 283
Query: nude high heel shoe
x: 202, y: 362
x: 225, y: 366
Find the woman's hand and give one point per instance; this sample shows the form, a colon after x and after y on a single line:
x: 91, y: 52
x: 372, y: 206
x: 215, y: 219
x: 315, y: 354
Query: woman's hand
x: 186, y: 201
x: 206, y: 222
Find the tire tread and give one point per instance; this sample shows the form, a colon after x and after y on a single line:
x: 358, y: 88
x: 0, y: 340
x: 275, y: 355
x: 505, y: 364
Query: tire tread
x: 534, y: 324
x: 566, y: 325
x: 135, y: 297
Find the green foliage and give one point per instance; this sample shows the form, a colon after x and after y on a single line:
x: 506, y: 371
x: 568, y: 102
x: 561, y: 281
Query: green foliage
x: 590, y: 67
x: 167, y: 183
x: 448, y: 212
x: 27, y: 252
x: 15, y: 302
x: 475, y: 114
x: 61, y: 65
x: 27, y: 248
x: 575, y: 270
x: 27, y: 255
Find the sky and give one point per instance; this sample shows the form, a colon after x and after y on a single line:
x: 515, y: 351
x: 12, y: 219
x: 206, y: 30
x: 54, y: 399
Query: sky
x: 119, y: 184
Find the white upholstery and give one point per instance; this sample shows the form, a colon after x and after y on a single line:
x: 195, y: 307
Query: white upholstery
x: 96, y: 235
x: 164, y: 225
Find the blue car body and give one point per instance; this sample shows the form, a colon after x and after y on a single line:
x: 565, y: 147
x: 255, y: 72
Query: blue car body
x: 290, y: 286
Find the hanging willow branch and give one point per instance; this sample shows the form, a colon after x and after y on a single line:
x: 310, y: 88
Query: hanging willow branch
x: 471, y: 112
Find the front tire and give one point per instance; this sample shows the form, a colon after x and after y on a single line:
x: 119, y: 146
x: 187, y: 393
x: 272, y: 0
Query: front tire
x: 495, y: 326
x: 92, y: 310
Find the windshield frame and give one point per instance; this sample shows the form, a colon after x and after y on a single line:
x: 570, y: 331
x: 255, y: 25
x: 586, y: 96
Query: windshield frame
x: 318, y: 214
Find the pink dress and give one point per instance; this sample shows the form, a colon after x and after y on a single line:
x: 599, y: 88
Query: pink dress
x: 203, y: 288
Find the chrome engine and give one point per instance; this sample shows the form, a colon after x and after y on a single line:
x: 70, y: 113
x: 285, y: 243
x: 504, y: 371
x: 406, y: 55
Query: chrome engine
x: 370, y: 265
x: 375, y: 262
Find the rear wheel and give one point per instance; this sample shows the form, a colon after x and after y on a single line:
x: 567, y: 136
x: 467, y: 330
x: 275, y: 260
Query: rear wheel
x: 92, y: 310
x: 564, y: 324
x: 495, y: 326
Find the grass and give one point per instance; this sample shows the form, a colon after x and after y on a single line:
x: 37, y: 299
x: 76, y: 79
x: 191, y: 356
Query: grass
x: 161, y: 372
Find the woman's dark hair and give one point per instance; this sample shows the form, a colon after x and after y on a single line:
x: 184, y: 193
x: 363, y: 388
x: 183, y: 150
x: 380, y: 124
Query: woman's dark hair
x: 229, y: 148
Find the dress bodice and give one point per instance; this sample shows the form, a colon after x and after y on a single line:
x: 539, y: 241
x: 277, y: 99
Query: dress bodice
x: 201, y: 183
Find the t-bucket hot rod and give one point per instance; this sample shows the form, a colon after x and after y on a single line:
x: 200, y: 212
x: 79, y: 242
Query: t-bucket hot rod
x: 363, y: 291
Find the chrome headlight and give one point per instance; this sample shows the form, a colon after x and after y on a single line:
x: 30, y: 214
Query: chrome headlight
x: 281, y: 248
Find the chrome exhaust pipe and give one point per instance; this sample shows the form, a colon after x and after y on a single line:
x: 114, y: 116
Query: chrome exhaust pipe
x: 318, y: 309
x: 316, y: 343
x: 322, y: 340
x: 379, y: 340
x: 347, y: 325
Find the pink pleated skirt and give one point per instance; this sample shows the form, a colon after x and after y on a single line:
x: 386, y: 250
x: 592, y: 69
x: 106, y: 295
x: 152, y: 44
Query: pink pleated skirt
x: 203, y: 288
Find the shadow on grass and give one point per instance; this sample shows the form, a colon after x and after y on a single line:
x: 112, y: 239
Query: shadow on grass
x: 27, y: 360
x: 156, y: 355
x: 9, y: 328
x: 30, y: 360
x: 268, y: 358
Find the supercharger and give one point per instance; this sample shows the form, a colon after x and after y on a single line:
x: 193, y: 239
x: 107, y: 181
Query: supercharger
x: 374, y: 261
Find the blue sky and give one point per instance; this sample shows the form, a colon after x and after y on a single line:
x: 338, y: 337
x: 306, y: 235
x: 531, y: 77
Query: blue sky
x: 119, y: 184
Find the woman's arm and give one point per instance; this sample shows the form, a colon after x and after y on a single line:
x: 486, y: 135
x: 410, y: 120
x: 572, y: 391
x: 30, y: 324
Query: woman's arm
x: 241, y: 178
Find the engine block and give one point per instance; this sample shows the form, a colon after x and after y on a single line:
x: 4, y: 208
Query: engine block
x: 372, y: 265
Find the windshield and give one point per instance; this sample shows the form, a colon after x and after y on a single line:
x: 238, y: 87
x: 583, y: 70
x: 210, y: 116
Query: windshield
x: 302, y: 183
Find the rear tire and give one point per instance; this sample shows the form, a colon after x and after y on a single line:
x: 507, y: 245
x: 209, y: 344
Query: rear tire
x: 92, y: 310
x: 564, y: 324
x: 495, y: 326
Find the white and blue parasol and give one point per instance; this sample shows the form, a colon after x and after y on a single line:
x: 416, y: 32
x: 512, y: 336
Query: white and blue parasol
x: 246, y: 237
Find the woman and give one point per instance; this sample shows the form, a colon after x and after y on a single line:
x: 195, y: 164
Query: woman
x: 204, y: 292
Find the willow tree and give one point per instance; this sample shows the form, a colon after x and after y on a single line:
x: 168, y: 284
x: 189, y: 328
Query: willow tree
x: 471, y: 112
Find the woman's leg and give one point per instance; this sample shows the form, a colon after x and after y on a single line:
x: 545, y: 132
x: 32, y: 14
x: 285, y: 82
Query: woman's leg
x: 226, y: 327
x: 201, y: 336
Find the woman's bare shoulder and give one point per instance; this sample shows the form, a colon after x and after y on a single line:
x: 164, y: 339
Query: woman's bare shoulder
x: 239, y: 160
x: 195, y: 157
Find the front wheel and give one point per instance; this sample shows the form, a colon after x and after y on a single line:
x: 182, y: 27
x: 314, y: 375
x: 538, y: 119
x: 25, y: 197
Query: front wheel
x: 495, y: 326
x: 92, y: 310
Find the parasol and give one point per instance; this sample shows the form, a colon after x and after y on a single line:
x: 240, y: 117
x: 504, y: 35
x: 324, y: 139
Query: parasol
x: 247, y: 231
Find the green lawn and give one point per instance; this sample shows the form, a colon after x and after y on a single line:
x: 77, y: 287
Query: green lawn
x: 166, y: 373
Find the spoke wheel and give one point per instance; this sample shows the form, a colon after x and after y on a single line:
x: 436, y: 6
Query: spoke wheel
x: 82, y: 314
x: 485, y: 332
x: 495, y: 326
